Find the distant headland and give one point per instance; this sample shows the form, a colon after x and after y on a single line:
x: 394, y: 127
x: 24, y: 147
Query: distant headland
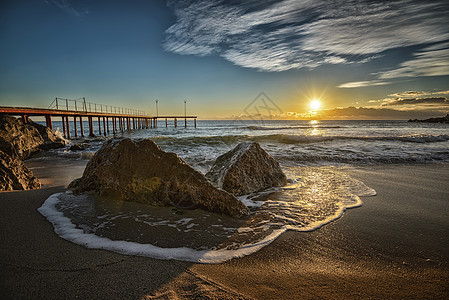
x: 433, y: 120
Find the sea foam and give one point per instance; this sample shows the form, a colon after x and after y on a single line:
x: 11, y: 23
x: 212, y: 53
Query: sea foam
x: 67, y: 230
x: 314, y: 197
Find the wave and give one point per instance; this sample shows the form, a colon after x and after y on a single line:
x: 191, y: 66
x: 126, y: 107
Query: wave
x: 298, y: 139
x: 293, y: 139
x: 289, y: 127
x: 360, y: 158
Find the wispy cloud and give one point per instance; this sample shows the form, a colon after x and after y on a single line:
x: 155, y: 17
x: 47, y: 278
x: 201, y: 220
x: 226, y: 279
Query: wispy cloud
x: 440, y: 101
x: 290, y: 34
x: 418, y: 93
x: 355, y: 84
x: 66, y: 6
x: 431, y: 61
x: 381, y: 113
x: 409, y: 94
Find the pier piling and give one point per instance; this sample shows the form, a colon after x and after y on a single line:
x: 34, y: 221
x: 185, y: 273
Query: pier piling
x: 63, y: 126
x: 81, y: 126
x: 91, y: 126
x: 48, y: 121
x: 74, y: 125
x: 67, y: 126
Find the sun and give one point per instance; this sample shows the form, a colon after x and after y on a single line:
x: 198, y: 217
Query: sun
x: 315, y: 104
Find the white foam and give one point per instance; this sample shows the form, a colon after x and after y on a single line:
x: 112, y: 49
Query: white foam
x: 67, y: 230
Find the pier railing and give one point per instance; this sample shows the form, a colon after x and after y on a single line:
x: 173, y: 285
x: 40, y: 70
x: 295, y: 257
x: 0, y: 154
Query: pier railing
x: 81, y: 105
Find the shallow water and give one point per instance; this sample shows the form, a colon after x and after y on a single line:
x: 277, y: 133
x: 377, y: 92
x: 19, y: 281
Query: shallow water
x: 313, y: 155
x: 316, y: 196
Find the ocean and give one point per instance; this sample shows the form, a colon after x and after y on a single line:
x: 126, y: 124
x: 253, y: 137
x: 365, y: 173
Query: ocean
x: 314, y: 155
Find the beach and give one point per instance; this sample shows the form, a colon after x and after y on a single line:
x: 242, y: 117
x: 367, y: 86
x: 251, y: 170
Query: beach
x: 224, y: 150
x: 393, y: 246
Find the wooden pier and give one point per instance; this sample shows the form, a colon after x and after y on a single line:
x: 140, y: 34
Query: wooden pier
x: 111, y: 119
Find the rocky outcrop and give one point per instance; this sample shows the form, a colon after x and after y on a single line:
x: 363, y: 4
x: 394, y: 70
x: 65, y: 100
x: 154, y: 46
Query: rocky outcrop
x: 246, y: 169
x: 433, y: 120
x: 79, y: 146
x: 17, y: 142
x: 21, y: 140
x: 18, y: 139
x: 50, y: 139
x: 14, y: 175
x: 140, y: 171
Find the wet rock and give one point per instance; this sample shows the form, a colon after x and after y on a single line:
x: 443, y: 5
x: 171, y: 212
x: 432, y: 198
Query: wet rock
x: 18, y: 139
x: 14, y: 175
x: 140, y: 171
x: 246, y: 169
x: 79, y: 147
x: 51, y: 140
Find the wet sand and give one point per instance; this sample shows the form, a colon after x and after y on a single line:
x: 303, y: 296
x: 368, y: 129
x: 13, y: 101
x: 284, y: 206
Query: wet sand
x: 394, y: 246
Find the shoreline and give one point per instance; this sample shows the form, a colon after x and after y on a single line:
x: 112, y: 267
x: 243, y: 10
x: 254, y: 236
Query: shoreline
x: 393, y: 246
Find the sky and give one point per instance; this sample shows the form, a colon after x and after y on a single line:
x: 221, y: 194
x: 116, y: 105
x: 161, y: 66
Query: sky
x: 230, y: 59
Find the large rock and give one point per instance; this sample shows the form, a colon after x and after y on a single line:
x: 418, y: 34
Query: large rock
x: 18, y: 139
x: 140, y: 171
x: 21, y: 140
x: 14, y: 175
x: 246, y: 169
x: 50, y: 139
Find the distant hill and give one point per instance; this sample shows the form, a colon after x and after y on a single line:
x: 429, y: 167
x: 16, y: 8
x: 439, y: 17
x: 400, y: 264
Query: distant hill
x: 433, y: 120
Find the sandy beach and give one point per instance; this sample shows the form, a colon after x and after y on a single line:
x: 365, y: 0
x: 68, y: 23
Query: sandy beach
x: 394, y: 246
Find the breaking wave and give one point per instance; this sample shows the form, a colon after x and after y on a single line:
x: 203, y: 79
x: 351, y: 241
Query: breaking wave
x: 300, y: 139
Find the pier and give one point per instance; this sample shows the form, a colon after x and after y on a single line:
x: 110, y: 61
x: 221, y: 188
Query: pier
x: 111, y: 119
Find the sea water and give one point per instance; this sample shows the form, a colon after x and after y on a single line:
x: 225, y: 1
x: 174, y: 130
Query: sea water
x: 313, y: 154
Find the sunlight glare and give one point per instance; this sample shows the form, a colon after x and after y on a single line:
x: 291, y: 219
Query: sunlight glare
x: 315, y: 104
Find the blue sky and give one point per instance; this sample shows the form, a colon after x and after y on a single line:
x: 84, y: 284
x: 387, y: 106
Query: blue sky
x: 362, y: 59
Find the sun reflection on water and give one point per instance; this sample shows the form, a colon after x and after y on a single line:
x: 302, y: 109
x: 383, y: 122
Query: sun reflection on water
x: 314, y: 129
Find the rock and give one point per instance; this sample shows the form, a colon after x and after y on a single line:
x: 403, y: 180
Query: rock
x: 14, y: 175
x: 18, y: 139
x: 79, y: 146
x: 433, y: 120
x: 140, y: 171
x: 50, y: 139
x: 17, y: 142
x: 246, y: 169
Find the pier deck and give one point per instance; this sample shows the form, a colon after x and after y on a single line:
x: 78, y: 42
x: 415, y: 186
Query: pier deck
x: 121, y: 119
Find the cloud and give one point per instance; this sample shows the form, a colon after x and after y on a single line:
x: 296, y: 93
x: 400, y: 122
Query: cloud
x: 417, y: 94
x: 380, y: 113
x: 409, y: 94
x: 66, y: 6
x: 355, y: 84
x: 290, y: 34
x: 430, y: 61
x: 441, y: 101
x: 370, y: 113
